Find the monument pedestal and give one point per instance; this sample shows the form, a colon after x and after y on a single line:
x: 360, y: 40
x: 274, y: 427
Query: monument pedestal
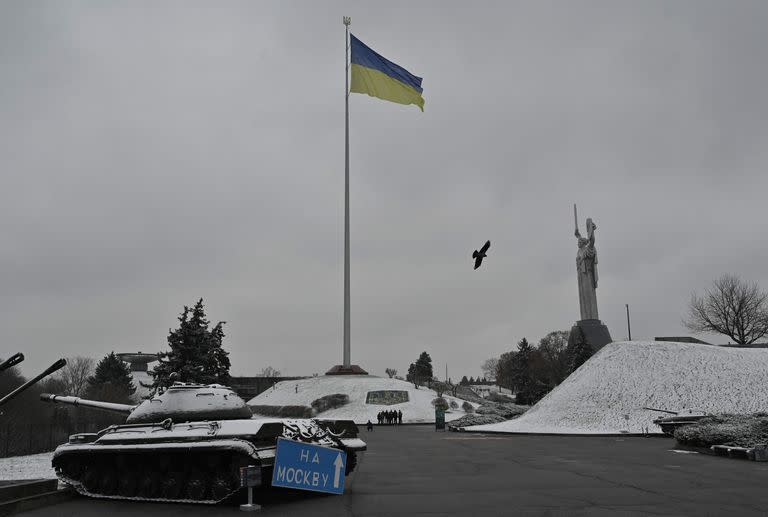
x: 352, y: 369
x: 593, y: 332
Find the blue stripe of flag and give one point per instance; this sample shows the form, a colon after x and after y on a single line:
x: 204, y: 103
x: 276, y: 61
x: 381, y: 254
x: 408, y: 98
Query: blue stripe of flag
x: 362, y: 55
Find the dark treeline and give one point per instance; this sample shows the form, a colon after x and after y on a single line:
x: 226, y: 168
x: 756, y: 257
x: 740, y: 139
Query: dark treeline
x: 476, y: 381
x: 532, y: 372
x: 29, y: 426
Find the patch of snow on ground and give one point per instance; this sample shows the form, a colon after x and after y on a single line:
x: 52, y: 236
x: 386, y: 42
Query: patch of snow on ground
x: 418, y: 409
x: 35, y: 466
x: 606, y: 395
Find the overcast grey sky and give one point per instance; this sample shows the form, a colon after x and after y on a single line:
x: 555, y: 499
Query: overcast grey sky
x: 152, y: 153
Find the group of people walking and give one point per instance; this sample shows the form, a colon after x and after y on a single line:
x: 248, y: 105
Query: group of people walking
x: 390, y: 417
x: 387, y: 417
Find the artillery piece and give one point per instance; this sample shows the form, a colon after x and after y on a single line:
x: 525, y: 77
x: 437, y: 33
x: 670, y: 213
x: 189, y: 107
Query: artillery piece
x: 11, y: 361
x: 186, y: 444
x: 668, y: 424
x: 16, y: 359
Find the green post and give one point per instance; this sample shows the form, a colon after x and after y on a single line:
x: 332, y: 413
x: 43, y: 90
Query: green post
x: 439, y: 418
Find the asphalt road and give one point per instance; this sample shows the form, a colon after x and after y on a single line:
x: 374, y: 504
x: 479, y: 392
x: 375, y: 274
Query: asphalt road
x: 414, y: 470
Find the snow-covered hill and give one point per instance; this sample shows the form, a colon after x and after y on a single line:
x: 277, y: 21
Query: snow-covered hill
x: 302, y: 392
x: 607, y: 394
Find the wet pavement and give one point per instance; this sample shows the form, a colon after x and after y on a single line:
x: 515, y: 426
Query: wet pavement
x: 415, y: 470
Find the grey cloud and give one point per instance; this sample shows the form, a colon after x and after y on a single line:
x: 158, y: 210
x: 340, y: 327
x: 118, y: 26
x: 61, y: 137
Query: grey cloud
x: 154, y: 153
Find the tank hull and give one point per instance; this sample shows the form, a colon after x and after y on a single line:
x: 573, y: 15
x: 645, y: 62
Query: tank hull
x: 191, y: 462
x: 671, y: 423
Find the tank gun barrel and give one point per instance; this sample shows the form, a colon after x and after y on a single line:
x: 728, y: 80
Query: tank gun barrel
x: 77, y: 401
x: 662, y: 410
x: 11, y: 361
x: 54, y: 367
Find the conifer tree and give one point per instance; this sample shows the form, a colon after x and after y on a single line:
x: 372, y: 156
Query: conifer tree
x: 196, y: 354
x: 111, y: 381
x: 577, y: 354
x: 520, y: 371
x: 421, y: 370
x: 424, y: 366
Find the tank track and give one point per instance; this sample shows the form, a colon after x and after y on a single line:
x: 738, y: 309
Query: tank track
x: 201, y: 473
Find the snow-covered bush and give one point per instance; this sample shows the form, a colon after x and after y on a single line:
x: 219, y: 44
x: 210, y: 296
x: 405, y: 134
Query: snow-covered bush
x: 440, y: 402
x: 330, y: 402
x: 467, y: 407
x: 504, y: 410
x: 468, y: 420
x: 500, y: 397
x: 734, y: 430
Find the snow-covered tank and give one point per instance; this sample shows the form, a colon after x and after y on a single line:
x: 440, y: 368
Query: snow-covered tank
x: 186, y: 444
x: 678, y: 419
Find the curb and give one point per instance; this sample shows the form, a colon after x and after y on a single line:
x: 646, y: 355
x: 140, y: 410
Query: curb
x: 584, y: 435
x: 19, y: 489
x: 36, y: 501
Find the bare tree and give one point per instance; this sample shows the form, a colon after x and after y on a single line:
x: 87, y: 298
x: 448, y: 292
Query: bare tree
x: 454, y: 388
x: 391, y: 372
x: 75, y: 375
x: 269, y: 372
x: 440, y: 387
x: 731, y: 307
x: 489, y: 368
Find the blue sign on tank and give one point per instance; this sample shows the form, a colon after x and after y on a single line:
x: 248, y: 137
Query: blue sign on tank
x: 304, y: 466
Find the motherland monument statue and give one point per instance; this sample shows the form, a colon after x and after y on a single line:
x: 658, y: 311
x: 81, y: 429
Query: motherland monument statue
x: 589, y: 328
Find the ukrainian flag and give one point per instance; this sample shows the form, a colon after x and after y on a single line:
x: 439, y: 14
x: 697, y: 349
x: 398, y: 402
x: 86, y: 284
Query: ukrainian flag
x: 379, y: 77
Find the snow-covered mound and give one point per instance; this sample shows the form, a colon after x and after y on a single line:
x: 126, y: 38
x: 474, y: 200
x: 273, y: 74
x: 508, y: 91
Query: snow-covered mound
x: 34, y: 466
x: 606, y: 395
x: 303, y: 392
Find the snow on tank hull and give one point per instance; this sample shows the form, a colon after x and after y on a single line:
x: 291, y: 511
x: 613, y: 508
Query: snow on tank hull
x: 671, y: 423
x: 190, y: 462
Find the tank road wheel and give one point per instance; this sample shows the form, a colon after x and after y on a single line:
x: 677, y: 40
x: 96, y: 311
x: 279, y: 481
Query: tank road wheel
x: 149, y: 484
x: 171, y: 485
x: 128, y: 484
x: 92, y: 478
x: 108, y: 481
x: 197, y: 485
x: 223, y: 483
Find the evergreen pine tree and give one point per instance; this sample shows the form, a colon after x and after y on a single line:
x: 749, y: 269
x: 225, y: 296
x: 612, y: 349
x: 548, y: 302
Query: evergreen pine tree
x: 464, y: 381
x: 424, y: 366
x: 577, y: 354
x: 421, y: 370
x: 196, y: 354
x: 520, y: 373
x: 111, y: 381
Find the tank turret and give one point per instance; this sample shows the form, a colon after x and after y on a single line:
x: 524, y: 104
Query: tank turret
x: 182, y: 402
x: 51, y: 369
x: 186, y: 444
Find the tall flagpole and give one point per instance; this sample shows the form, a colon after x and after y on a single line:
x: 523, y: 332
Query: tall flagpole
x: 347, y: 347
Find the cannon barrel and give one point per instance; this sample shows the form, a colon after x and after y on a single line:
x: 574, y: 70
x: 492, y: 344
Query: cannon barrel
x: 54, y: 367
x: 96, y: 404
x: 11, y: 361
x: 662, y: 410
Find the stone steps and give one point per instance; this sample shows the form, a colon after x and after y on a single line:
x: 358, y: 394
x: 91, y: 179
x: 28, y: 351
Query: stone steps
x: 23, y: 495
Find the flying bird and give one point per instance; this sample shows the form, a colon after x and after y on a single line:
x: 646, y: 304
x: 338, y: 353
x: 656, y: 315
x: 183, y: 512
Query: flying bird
x: 480, y: 255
